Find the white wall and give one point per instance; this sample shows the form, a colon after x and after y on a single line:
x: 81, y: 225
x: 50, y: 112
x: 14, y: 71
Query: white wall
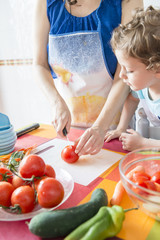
x: 20, y: 98
x: 154, y: 3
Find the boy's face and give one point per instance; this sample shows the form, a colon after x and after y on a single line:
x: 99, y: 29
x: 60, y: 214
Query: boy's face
x: 133, y: 72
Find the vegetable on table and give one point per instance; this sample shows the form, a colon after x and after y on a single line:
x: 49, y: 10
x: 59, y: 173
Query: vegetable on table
x: 59, y: 223
x: 32, y: 165
x: 119, y: 189
x: 68, y: 154
x: 22, y: 176
x: 6, y: 174
x: 50, y: 192
x: 13, y: 159
x: 118, y: 194
x: 106, y: 223
x: 6, y: 190
x: 23, y: 199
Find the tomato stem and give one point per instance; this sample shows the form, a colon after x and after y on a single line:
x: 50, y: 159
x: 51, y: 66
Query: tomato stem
x: 27, y: 180
x: 24, y: 179
x: 13, y: 209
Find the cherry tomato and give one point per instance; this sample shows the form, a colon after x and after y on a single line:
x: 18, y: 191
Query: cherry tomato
x: 37, y: 181
x: 32, y: 165
x: 151, y: 185
x: 6, y: 175
x: 68, y: 154
x: 17, y: 182
x: 157, y: 186
x: 156, y: 177
x: 49, y: 171
x: 6, y: 190
x: 50, y: 192
x: 141, y: 183
x: 146, y: 184
x: 140, y: 176
x: 23, y: 196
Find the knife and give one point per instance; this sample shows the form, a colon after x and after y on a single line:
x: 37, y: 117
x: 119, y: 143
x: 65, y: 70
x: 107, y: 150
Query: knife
x: 27, y: 129
x: 65, y: 131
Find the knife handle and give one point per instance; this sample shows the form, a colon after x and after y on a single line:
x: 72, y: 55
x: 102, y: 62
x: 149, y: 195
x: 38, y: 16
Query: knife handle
x: 65, y: 131
x: 27, y: 129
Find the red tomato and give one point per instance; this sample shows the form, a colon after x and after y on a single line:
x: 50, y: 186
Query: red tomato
x: 146, y: 184
x: 24, y: 197
x: 37, y: 181
x: 68, y: 154
x: 141, y: 183
x: 157, y: 186
x: 151, y: 185
x: 32, y: 165
x: 6, y: 174
x: 17, y: 182
x: 50, y: 192
x: 156, y: 177
x: 49, y: 171
x: 140, y: 176
x: 6, y: 190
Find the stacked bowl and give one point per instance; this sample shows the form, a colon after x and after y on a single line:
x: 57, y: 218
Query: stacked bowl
x: 8, y: 136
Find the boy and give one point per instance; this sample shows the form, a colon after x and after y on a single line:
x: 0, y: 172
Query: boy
x: 137, y: 48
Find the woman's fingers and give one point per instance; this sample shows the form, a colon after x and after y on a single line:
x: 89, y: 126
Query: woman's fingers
x: 90, y: 142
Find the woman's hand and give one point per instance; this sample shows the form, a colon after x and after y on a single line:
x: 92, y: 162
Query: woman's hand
x: 61, y: 117
x: 132, y: 140
x: 90, y: 142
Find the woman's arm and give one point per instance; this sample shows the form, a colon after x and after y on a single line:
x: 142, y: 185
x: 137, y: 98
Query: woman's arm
x: 115, y: 99
x: 119, y: 90
x: 59, y: 110
x: 92, y: 140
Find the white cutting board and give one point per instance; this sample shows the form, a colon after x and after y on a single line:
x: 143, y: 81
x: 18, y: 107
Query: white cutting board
x: 86, y: 169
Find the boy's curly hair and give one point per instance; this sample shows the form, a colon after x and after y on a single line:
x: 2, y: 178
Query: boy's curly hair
x: 140, y: 38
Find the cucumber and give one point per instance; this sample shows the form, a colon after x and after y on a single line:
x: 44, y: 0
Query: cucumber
x: 59, y: 223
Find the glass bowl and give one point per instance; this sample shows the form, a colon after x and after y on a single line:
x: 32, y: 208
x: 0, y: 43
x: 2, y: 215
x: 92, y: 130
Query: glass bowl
x: 146, y: 199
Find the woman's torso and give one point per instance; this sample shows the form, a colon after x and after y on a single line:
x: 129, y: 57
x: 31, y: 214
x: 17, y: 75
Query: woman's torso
x: 81, y: 59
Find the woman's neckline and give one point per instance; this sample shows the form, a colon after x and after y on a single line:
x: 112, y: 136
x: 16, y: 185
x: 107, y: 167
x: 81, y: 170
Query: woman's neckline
x: 85, y: 15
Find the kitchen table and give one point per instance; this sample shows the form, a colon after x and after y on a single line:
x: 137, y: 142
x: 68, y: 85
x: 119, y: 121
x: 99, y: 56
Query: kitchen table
x: 136, y: 226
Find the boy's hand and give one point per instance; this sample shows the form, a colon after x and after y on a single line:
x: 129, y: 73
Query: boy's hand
x: 113, y: 134
x: 131, y: 140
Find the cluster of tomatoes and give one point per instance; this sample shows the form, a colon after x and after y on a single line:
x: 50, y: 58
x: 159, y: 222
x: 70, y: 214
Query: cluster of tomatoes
x: 34, y: 182
x: 143, y: 179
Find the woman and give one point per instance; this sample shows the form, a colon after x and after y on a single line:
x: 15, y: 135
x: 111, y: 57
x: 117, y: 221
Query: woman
x: 71, y: 46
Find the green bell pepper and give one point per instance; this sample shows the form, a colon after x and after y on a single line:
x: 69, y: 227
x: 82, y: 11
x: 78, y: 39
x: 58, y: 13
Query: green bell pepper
x: 106, y: 223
